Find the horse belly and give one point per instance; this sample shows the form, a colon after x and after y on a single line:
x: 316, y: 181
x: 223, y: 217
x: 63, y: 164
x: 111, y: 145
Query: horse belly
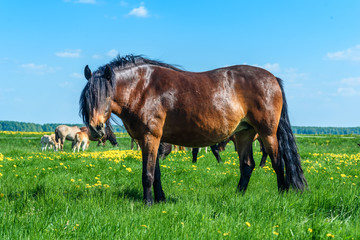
x: 202, y: 128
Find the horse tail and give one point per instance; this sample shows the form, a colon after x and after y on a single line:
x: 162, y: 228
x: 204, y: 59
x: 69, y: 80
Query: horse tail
x: 288, y: 151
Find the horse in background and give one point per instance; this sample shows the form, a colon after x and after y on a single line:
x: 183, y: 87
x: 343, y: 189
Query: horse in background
x: 214, y: 149
x: 109, y: 135
x: 155, y: 102
x: 48, y: 141
x: 63, y: 132
x: 81, y: 140
x: 222, y: 146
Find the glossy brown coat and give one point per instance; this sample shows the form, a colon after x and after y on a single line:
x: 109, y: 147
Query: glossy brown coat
x: 157, y: 103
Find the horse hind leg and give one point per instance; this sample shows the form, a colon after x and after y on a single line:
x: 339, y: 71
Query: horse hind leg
x: 244, y: 141
x: 271, y: 145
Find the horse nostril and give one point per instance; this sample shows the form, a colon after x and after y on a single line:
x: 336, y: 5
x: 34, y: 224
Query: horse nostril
x: 100, y: 126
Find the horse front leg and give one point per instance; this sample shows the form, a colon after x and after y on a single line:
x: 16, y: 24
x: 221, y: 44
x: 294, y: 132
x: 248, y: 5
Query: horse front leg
x: 151, y: 170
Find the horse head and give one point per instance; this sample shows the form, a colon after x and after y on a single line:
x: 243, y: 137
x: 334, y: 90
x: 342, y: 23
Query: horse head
x: 95, y: 100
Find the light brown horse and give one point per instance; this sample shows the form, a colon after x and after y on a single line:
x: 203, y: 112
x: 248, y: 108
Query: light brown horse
x: 63, y: 132
x: 159, y: 102
x: 81, y: 141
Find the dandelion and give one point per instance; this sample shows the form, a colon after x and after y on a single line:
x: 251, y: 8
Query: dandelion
x: 72, y: 180
x: 343, y: 175
x: 310, y: 230
x: 14, y: 166
x: 2, y: 195
x: 61, y: 164
x: 276, y: 233
x: 128, y: 169
x: 163, y: 211
x: 143, y: 226
x: 248, y: 224
x: 226, y: 234
x: 1, y: 174
x: 330, y: 235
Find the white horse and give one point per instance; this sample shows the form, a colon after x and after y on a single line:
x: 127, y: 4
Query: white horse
x: 48, y: 140
x: 63, y: 132
x: 81, y: 140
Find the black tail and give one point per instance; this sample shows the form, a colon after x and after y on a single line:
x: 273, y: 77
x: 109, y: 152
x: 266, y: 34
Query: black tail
x: 288, y: 151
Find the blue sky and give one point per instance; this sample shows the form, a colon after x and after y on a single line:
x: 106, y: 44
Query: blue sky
x: 314, y: 46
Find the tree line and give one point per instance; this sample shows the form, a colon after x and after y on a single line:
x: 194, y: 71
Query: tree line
x: 35, y: 127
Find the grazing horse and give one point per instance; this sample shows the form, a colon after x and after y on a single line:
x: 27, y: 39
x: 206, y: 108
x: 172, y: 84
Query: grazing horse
x: 63, y: 132
x: 81, y: 141
x: 109, y: 135
x: 214, y: 149
x: 155, y: 102
x: 48, y: 140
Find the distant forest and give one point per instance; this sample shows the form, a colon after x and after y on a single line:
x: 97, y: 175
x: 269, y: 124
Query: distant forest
x: 50, y: 127
x: 34, y: 127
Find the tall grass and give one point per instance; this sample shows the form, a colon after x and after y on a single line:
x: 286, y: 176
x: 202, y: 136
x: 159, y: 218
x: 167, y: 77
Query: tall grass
x: 98, y: 194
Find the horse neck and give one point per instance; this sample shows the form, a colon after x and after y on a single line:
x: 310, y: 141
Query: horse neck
x: 127, y: 82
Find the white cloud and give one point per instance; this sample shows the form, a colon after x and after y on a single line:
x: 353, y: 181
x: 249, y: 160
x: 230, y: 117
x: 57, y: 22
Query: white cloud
x: 347, y: 92
x: 353, y: 81
x: 271, y: 67
x: 112, y: 53
x: 124, y: 3
x: 96, y: 56
x: 39, y: 69
x: 141, y: 12
x: 69, y: 53
x: 352, y: 54
x: 77, y: 75
x: 82, y: 1
x: 66, y: 85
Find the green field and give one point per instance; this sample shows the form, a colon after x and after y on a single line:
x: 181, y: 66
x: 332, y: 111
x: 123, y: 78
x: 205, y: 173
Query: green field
x: 98, y: 194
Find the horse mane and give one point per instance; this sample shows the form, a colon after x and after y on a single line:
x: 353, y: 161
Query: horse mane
x: 130, y: 61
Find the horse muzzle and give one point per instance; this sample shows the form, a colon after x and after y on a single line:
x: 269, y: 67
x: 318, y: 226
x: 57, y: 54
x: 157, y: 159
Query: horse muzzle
x: 97, y: 131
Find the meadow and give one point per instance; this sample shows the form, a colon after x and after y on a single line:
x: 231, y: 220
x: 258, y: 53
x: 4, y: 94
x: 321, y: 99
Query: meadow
x: 97, y: 194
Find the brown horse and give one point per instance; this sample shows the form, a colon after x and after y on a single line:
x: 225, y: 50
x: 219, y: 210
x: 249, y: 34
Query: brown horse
x: 156, y: 102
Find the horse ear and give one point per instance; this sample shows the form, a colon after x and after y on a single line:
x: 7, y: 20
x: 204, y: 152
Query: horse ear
x: 87, y: 72
x: 108, y: 72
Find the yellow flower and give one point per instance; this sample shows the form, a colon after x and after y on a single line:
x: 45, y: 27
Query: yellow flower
x: 1, y: 174
x: 226, y: 234
x: 2, y: 195
x: 143, y: 226
x: 14, y: 165
x: 61, y: 163
x: 310, y: 230
x: 330, y: 235
x: 72, y: 180
x: 343, y: 175
x: 128, y: 169
x: 248, y: 224
x: 163, y: 211
x: 276, y: 233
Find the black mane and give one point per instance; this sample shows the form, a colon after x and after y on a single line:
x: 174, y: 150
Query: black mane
x: 129, y: 61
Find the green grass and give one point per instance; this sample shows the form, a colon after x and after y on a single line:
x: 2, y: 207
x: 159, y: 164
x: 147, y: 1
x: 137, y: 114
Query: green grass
x: 98, y: 195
